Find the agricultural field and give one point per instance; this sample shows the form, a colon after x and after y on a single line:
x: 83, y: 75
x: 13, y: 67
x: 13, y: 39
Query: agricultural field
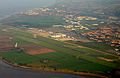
x: 35, y: 50
x: 34, y: 21
x: 43, y: 53
x: 5, y: 43
x: 95, y: 45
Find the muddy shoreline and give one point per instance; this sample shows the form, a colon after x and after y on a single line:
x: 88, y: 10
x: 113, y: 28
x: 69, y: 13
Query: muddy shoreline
x: 86, y: 74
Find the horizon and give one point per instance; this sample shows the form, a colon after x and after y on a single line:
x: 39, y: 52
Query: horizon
x: 11, y: 6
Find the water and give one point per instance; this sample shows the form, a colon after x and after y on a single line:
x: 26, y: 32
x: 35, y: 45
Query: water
x: 8, y: 7
x: 7, y: 71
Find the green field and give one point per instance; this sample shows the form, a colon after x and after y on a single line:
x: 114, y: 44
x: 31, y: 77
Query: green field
x: 66, y: 56
x: 95, y: 45
x: 36, y: 21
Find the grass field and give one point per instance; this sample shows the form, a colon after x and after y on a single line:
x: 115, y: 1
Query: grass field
x: 36, y: 21
x: 95, y: 45
x: 66, y: 56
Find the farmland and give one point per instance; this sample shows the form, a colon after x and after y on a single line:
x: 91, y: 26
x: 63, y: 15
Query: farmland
x: 35, y: 21
x: 95, y: 45
x: 61, y: 55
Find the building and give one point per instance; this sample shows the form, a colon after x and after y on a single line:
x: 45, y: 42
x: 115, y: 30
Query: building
x: 58, y: 35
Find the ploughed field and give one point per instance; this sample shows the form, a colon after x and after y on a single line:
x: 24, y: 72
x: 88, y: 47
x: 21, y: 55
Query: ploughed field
x: 45, y: 53
x: 5, y: 43
x: 35, y: 49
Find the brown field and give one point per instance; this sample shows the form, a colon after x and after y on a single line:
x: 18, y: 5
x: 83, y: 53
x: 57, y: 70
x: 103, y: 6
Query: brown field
x: 5, y: 43
x: 35, y: 50
x: 40, y: 51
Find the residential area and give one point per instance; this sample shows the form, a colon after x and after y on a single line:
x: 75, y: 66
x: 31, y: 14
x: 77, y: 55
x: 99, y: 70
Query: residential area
x: 77, y: 26
x: 105, y: 35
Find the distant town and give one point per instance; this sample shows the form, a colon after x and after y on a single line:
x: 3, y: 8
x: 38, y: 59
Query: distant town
x: 75, y: 26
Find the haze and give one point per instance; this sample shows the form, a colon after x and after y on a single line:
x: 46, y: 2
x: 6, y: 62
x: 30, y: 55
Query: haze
x: 11, y: 6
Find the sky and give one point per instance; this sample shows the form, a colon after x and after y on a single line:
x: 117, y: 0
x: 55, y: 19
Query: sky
x: 10, y: 6
x: 19, y: 3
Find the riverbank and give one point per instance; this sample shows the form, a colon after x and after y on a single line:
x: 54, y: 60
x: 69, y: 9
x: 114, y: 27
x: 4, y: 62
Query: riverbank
x: 86, y: 74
